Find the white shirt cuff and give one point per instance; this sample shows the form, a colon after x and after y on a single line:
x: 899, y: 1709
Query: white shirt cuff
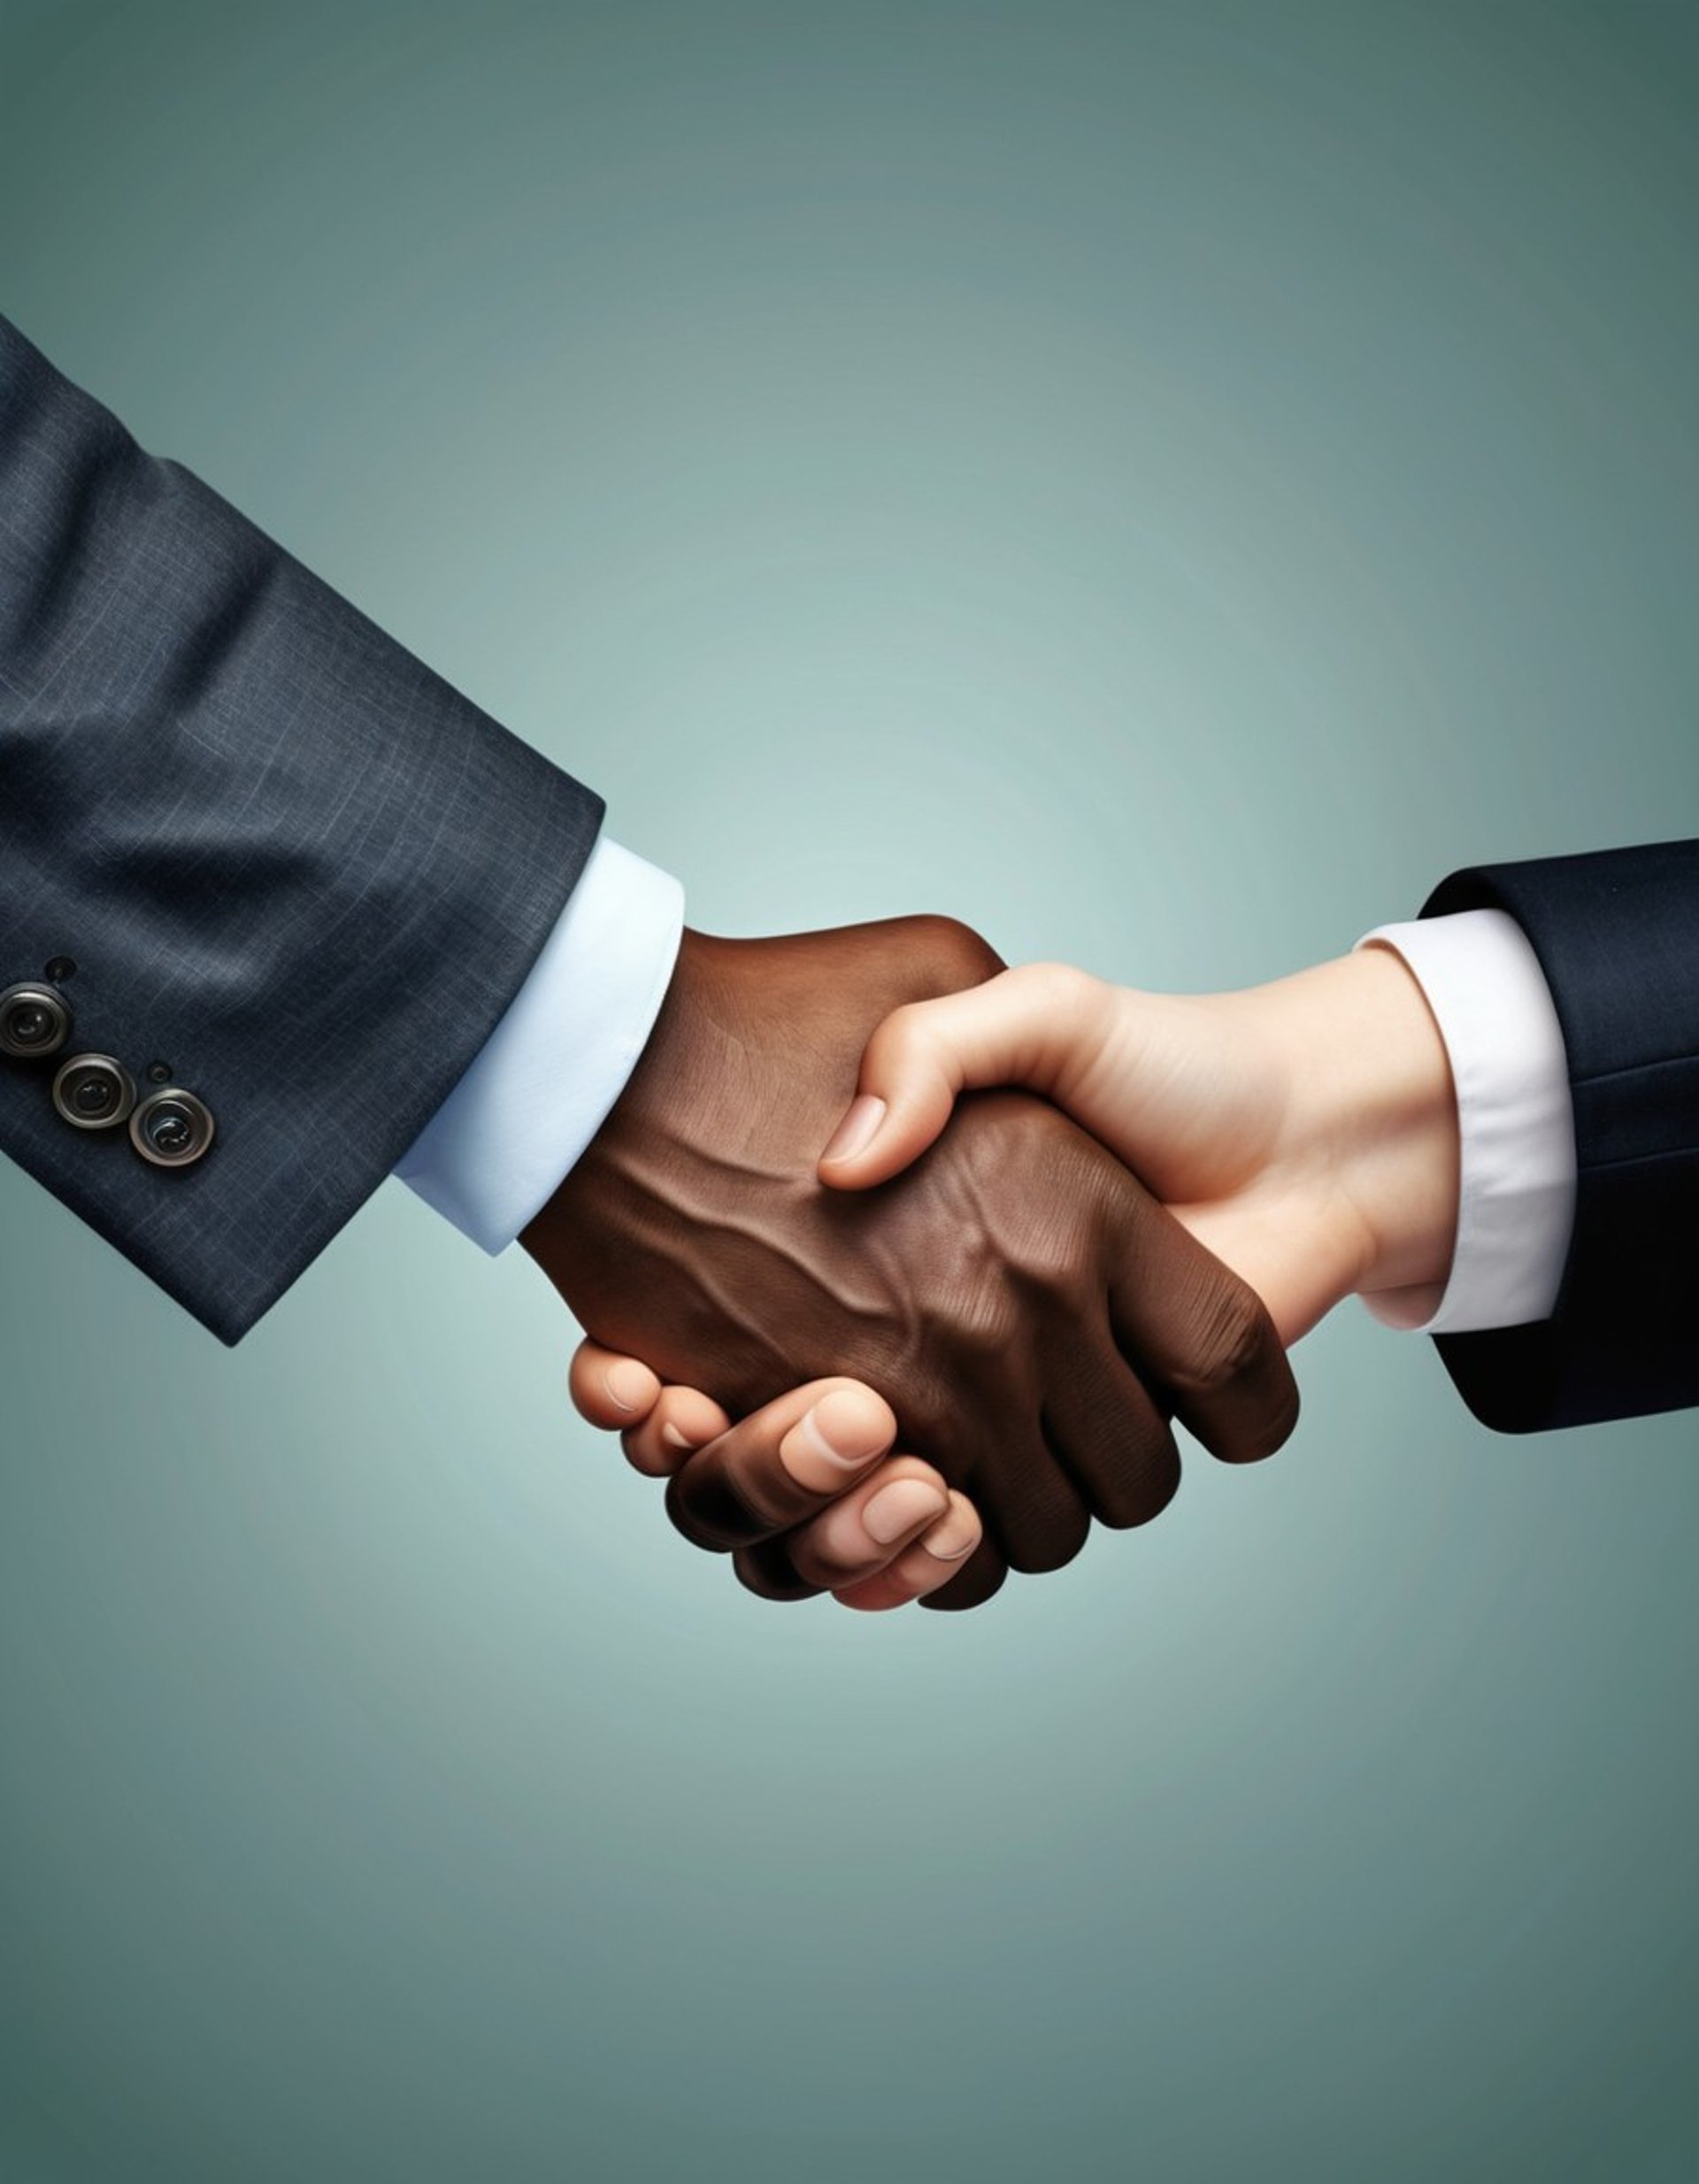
x: 1516, y: 1196
x: 492, y: 1156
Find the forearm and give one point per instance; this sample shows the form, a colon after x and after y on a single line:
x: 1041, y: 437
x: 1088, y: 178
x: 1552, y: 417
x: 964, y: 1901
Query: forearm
x: 290, y: 864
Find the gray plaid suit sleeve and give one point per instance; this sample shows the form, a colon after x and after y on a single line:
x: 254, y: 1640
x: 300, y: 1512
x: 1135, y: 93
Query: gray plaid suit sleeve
x: 288, y: 861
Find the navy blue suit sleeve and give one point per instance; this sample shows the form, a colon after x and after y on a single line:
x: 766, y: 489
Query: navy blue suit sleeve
x: 287, y: 860
x: 1617, y: 933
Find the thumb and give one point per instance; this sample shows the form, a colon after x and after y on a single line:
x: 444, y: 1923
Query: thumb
x: 1018, y: 1029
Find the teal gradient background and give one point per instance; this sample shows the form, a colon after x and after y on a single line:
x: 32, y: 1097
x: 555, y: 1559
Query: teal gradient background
x: 1166, y: 483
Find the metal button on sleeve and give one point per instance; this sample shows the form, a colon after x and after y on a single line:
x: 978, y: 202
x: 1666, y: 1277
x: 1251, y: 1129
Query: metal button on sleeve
x: 34, y: 1021
x: 172, y: 1128
x: 92, y: 1092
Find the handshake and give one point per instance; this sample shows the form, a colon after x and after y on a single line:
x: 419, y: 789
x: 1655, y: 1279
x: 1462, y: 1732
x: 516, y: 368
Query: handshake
x: 865, y: 1191
x: 1055, y: 1218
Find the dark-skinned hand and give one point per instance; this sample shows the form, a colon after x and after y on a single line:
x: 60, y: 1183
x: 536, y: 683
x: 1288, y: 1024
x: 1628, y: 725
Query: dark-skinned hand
x: 1030, y: 1312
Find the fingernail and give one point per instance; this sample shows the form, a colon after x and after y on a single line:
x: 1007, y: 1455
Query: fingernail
x: 834, y: 1431
x: 674, y: 1438
x: 859, y: 1129
x: 949, y: 1541
x: 627, y: 1383
x: 899, y: 1508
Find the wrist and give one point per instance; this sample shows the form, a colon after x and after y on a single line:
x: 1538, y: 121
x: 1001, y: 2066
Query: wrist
x: 1371, y: 1117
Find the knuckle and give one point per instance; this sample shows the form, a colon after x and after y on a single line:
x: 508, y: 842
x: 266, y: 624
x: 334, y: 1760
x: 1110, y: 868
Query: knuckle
x: 952, y: 953
x: 1051, y: 1260
x: 986, y: 1314
x: 1052, y: 1253
x: 1056, y: 988
x: 901, y: 1046
x: 1233, y: 1339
